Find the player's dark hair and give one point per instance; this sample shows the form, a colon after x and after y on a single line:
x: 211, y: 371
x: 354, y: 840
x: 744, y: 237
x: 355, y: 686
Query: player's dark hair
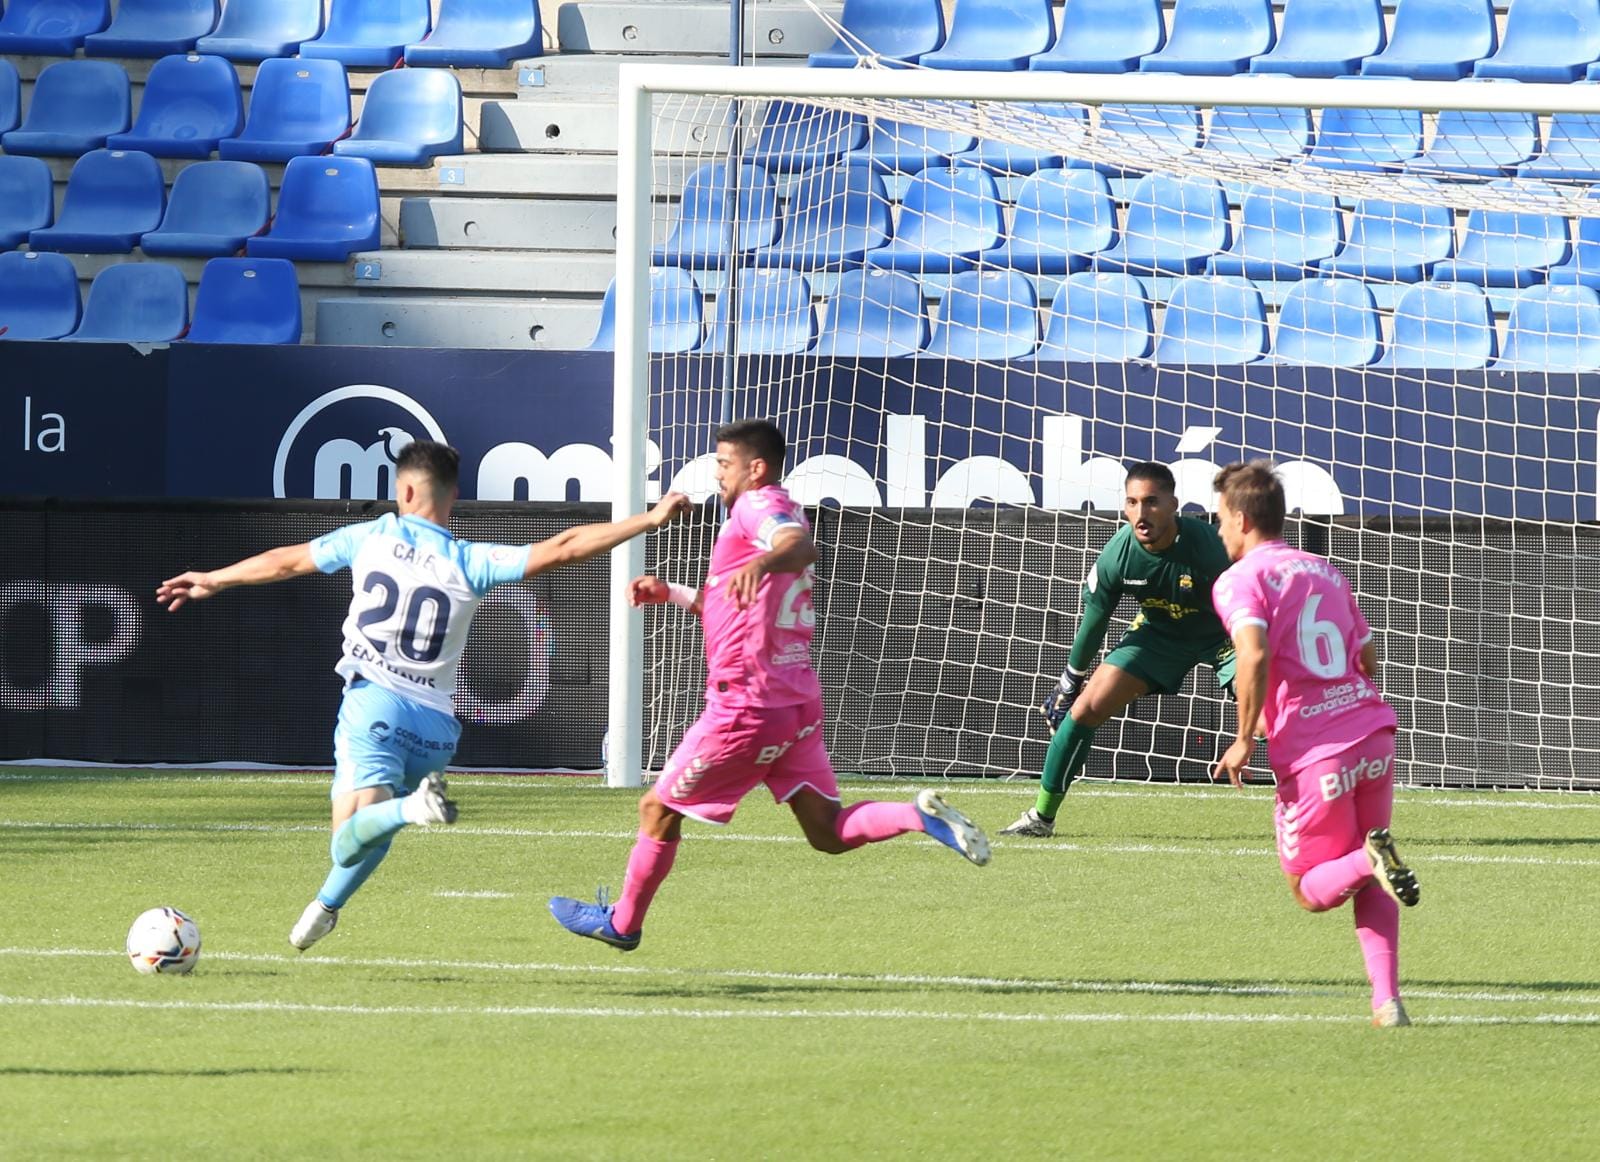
x: 1157, y: 474
x: 758, y: 439
x: 1255, y: 490
x: 440, y: 463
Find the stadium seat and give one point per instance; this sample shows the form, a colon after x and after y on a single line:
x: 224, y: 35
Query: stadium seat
x: 1441, y: 326
x: 297, y: 107
x: 1062, y: 216
x: 50, y: 27
x: 1571, y: 150
x: 1212, y: 321
x: 10, y: 96
x: 75, y: 106
x: 1098, y: 318
x: 1394, y: 241
x: 213, y: 208
x: 795, y: 136
x: 135, y: 302
x: 1328, y: 322
x: 246, y: 300
x: 1436, y: 40
x: 702, y: 237
x: 1283, y: 234
x: 775, y: 315
x: 1552, y: 329
x: 410, y: 117
x: 327, y: 211
x: 891, y: 30
x: 1143, y: 137
x: 994, y: 35
x: 897, y: 147
x: 1367, y: 139
x: 113, y: 197
x: 1214, y: 38
x: 949, y: 215
x: 1325, y: 38
x: 987, y: 314
x: 1502, y: 248
x: 874, y: 314
x: 1258, y: 133
x: 1173, y: 226
x: 480, y: 34
x: 258, y: 30
x: 835, y: 215
x: 1472, y: 144
x: 190, y: 103
x: 38, y: 296
x: 1550, y: 41
x: 27, y: 199
x: 370, y: 33
x: 1056, y: 124
x: 676, y: 313
x: 1582, y: 267
x: 154, y: 28
x: 1104, y: 36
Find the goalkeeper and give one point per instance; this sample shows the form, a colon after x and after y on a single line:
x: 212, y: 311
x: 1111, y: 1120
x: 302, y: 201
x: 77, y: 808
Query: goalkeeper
x: 1168, y: 563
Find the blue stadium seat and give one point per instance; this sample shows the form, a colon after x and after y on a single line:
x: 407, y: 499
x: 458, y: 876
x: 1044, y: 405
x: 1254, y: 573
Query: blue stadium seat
x: 702, y: 237
x: 76, y: 105
x: 480, y: 34
x: 1144, y: 137
x: 1104, y: 36
x: 949, y: 215
x: 891, y: 30
x: 190, y: 103
x: 27, y: 199
x: 836, y: 214
x: 154, y: 28
x: 1469, y: 144
x: 874, y: 314
x: 1394, y: 241
x: 1325, y: 38
x: 327, y: 211
x: 1098, y: 318
x: 246, y: 300
x: 213, y: 208
x: 1367, y: 139
x: 1552, y: 328
x: 1436, y: 40
x: 987, y: 314
x: 775, y: 315
x: 1503, y: 248
x: 113, y: 197
x: 1216, y: 322
x: 1062, y: 216
x: 795, y: 137
x: 1442, y: 326
x: 38, y: 296
x: 50, y: 27
x: 258, y: 30
x: 135, y: 302
x: 1571, y: 150
x: 994, y: 35
x: 1283, y: 234
x: 1173, y: 226
x: 1582, y: 267
x: 370, y: 33
x: 1214, y: 38
x: 410, y: 117
x: 1259, y: 133
x: 1054, y: 121
x: 10, y: 96
x: 297, y: 107
x: 1550, y: 41
x: 676, y: 313
x: 897, y: 147
x: 1328, y: 322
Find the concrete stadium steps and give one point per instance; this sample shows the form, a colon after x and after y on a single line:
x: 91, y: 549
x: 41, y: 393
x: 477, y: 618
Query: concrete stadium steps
x: 554, y: 174
x: 595, y: 74
x: 484, y: 223
x: 691, y: 26
x: 395, y: 320
x: 554, y: 273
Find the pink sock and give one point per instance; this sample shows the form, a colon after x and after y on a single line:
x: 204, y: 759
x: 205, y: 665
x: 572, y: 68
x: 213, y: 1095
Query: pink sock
x: 1378, y: 929
x: 870, y: 822
x: 1331, y: 883
x: 648, y: 865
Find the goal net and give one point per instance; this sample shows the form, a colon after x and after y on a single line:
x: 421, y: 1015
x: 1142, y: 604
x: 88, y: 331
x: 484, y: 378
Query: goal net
x: 972, y: 301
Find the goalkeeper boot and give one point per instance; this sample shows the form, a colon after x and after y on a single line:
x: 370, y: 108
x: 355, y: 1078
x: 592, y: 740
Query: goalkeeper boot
x: 592, y: 920
x: 315, y: 922
x: 951, y: 828
x: 1392, y: 874
x: 427, y: 803
x: 1390, y: 1015
x: 1032, y: 824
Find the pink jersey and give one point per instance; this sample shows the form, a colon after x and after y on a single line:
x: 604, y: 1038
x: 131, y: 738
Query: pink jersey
x: 1318, y: 702
x: 759, y: 656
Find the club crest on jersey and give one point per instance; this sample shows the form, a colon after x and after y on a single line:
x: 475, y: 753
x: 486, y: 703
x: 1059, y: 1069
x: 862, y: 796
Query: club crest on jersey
x: 1185, y: 582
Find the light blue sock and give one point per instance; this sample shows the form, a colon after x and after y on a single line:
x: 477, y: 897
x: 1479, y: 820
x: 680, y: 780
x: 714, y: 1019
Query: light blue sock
x: 342, y: 882
x: 366, y: 829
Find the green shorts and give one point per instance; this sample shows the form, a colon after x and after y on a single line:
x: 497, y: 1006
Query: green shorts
x: 1162, y: 660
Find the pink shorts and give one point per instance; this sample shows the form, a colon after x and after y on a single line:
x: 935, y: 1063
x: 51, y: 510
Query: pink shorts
x: 1326, y: 810
x: 729, y: 752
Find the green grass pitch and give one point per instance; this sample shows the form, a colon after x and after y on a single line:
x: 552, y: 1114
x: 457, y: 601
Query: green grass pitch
x: 1141, y: 986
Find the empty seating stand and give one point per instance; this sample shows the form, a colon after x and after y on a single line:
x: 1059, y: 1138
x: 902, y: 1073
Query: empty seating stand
x: 1546, y: 41
x: 10, y: 96
x: 258, y: 30
x: 1173, y: 226
x: 773, y: 314
x: 1214, y: 37
x: 1394, y: 241
x: 135, y: 302
x: 987, y: 315
x: 1258, y: 133
x: 901, y: 148
x: 296, y: 107
x: 796, y: 137
x: 1328, y: 322
x: 246, y: 300
x: 995, y: 35
x: 27, y: 199
x: 893, y: 31
x: 676, y: 313
x: 1571, y: 151
x: 213, y: 208
x: 1325, y: 38
x: 836, y: 214
x: 1442, y: 326
x: 1475, y: 144
x: 481, y: 34
x: 1436, y: 40
x: 1508, y: 249
x: 50, y: 27
x: 1098, y: 318
x: 874, y: 314
x: 327, y: 210
x: 1283, y: 234
x: 190, y: 103
x: 1144, y: 137
x: 1104, y: 36
x: 1060, y: 219
x: 154, y: 28
x: 702, y: 238
x: 1212, y: 321
x: 1552, y: 329
x: 410, y: 117
x: 370, y: 33
x: 948, y: 217
x: 76, y: 105
x: 39, y: 296
x: 1367, y: 139
x: 113, y: 197
x: 1055, y: 121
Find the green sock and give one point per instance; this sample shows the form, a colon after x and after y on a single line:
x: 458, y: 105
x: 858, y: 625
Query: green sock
x: 1069, y: 750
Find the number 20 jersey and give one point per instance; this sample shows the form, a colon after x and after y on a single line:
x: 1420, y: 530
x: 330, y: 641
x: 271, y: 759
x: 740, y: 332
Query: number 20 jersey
x: 416, y: 589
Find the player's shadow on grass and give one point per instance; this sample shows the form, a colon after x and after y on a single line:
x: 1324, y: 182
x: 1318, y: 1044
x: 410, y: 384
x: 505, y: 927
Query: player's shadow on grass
x: 152, y: 1071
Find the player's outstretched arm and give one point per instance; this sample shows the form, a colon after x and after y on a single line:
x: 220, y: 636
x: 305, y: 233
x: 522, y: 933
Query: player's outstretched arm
x: 648, y: 590
x: 262, y: 569
x: 579, y: 544
x: 1250, y: 684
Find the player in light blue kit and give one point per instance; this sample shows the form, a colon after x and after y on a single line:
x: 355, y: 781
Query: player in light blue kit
x: 416, y: 589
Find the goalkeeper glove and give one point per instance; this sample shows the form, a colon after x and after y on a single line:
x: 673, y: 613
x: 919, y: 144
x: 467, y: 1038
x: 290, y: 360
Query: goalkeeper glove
x: 1060, y: 700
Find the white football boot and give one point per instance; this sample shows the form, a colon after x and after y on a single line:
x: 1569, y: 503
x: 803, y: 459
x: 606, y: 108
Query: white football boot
x: 315, y: 922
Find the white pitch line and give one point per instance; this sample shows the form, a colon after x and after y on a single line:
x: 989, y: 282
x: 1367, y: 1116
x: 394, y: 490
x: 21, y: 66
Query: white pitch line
x: 483, y: 895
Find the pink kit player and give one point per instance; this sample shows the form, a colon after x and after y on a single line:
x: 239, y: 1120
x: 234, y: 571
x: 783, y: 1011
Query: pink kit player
x: 762, y: 722
x: 1306, y: 663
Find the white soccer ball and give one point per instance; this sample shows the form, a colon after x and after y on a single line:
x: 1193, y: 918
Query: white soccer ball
x: 163, y: 940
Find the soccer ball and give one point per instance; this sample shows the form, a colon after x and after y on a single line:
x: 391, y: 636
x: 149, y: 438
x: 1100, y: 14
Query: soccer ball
x: 163, y: 940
